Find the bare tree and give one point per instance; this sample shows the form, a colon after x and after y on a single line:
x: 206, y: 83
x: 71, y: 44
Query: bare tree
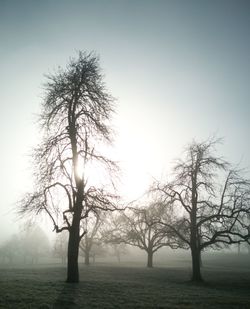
x: 75, y: 123
x: 10, y: 250
x: 211, y: 212
x: 34, y: 244
x: 92, y: 225
x: 118, y: 250
x: 60, y: 246
x: 28, y: 246
x: 140, y: 227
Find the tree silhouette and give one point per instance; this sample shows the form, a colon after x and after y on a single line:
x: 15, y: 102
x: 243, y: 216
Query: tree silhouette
x: 92, y: 225
x: 26, y: 247
x: 210, y: 212
x: 75, y: 117
x: 60, y: 246
x: 141, y: 227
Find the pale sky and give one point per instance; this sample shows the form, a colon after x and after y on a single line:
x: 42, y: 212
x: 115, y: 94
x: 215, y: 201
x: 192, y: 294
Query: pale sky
x: 179, y: 70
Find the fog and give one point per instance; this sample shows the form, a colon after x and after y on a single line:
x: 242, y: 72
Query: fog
x: 179, y: 75
x: 31, y: 247
x: 176, y: 76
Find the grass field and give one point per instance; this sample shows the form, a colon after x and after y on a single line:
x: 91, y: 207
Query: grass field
x: 125, y: 286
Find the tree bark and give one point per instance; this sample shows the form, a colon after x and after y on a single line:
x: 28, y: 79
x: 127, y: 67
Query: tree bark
x: 196, y: 267
x: 201, y: 263
x: 194, y: 235
x: 150, y: 259
x: 73, y: 250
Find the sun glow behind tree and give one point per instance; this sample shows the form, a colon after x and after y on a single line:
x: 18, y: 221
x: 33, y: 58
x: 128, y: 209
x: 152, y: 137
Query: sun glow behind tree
x: 75, y: 121
x: 179, y: 71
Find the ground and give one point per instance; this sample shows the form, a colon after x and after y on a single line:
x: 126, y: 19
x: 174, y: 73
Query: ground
x: 126, y: 286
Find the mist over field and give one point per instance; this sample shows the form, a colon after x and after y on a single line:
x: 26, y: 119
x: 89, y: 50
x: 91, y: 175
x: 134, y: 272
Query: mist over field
x: 124, y: 129
x: 128, y: 284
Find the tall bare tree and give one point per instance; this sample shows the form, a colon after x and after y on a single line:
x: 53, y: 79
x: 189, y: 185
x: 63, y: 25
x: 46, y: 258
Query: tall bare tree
x: 75, y: 118
x: 210, y: 211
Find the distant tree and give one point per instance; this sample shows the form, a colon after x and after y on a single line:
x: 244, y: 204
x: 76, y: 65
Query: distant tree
x: 211, y: 212
x: 10, y: 250
x: 98, y: 250
x: 118, y: 250
x: 75, y: 124
x: 140, y: 227
x: 60, y: 246
x: 28, y: 246
x: 238, y: 248
x: 92, y: 226
x: 34, y: 244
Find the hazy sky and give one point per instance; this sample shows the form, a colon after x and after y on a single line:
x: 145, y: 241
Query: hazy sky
x: 179, y: 70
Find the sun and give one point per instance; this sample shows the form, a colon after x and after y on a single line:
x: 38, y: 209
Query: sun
x: 135, y: 181
x: 92, y: 173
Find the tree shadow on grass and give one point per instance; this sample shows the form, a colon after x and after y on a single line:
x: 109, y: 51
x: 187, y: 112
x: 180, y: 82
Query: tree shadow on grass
x: 67, y: 299
x: 84, y: 295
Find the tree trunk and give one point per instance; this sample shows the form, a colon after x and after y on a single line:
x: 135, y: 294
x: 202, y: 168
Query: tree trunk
x: 86, y: 261
x: 201, y: 263
x: 196, y: 267
x: 150, y: 259
x: 195, y: 239
x: 73, y: 250
x: 74, y: 237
